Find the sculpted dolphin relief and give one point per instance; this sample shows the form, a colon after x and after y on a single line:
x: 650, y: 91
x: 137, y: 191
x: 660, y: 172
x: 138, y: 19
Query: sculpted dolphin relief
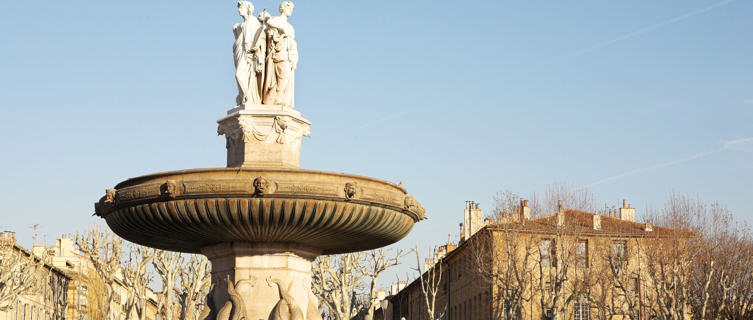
x: 235, y: 307
x: 208, y: 309
x: 286, y: 308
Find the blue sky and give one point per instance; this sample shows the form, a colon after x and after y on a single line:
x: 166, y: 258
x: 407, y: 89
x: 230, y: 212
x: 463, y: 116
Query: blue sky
x: 458, y: 100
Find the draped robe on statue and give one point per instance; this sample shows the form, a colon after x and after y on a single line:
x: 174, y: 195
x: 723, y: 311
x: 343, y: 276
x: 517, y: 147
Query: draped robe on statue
x: 281, y: 62
x: 249, y: 50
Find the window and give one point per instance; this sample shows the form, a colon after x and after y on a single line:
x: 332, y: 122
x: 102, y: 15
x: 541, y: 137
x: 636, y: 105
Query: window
x: 548, y: 314
x: 635, y: 286
x: 547, y: 252
x: 581, y: 253
x: 619, y: 254
x: 510, y: 312
x: 581, y: 308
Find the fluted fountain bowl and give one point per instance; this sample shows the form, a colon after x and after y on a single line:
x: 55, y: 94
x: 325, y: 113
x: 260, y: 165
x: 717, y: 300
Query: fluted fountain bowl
x: 190, y: 209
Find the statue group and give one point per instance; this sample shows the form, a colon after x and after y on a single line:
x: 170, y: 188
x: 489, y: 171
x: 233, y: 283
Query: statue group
x: 266, y: 56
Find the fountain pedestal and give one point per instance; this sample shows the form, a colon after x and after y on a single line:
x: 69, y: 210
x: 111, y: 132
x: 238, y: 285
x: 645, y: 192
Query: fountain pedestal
x: 263, y: 136
x: 266, y: 277
x: 263, y: 222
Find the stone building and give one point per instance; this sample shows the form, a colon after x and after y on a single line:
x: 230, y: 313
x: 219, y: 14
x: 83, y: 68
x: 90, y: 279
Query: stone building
x: 569, y: 265
x: 46, y: 303
x: 73, y: 287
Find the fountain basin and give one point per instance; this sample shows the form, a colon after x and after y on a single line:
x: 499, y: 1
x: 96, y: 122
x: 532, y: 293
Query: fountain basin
x: 328, y: 212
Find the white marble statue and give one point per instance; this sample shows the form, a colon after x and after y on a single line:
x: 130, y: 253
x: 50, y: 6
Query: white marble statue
x: 249, y: 55
x: 282, y: 58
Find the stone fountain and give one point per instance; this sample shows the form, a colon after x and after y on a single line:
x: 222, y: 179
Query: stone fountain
x: 262, y: 220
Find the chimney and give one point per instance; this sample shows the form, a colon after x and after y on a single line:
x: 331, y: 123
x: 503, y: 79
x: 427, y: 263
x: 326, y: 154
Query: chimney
x: 38, y: 250
x: 401, y: 285
x: 597, y: 222
x: 648, y: 227
x: 8, y: 237
x: 393, y: 289
x: 381, y: 294
x: 65, y: 246
x: 525, y: 211
x: 560, y: 214
x: 473, y: 219
x: 428, y: 264
x: 626, y: 212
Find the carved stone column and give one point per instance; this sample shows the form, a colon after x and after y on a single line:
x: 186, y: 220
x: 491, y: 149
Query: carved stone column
x: 263, y: 136
x: 272, y: 281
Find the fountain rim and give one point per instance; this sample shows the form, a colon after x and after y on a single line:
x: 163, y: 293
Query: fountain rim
x: 138, y: 179
x: 155, y: 200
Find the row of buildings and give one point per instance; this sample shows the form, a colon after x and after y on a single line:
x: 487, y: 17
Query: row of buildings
x: 567, y: 265
x: 71, y: 288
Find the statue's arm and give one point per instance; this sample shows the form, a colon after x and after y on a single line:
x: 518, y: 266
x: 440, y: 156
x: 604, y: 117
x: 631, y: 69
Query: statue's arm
x: 235, y: 30
x: 274, y: 22
x: 260, y: 39
x: 281, y: 25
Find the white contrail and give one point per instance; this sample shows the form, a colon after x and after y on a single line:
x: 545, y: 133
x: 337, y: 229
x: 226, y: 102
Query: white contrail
x: 656, y: 166
x: 647, y: 29
x: 736, y: 144
x: 740, y: 145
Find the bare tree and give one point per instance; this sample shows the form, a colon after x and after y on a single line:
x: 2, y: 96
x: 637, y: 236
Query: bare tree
x: 336, y: 280
x: 555, y: 259
x: 721, y: 277
x: 168, y: 265
x: 195, y: 283
x: 20, y: 274
x: 136, y: 279
x: 96, y: 293
x: 672, y: 258
x: 105, y: 252
x: 601, y: 292
x: 618, y: 283
x: 376, y: 262
x: 579, y: 198
x: 431, y: 283
x: 504, y: 255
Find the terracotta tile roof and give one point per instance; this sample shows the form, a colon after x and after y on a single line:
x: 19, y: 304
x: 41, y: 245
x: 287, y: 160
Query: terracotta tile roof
x: 577, y: 221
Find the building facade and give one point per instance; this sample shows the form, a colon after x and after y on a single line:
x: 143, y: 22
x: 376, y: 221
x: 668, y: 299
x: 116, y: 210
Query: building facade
x: 47, y: 301
x: 566, y: 265
x: 72, y: 290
